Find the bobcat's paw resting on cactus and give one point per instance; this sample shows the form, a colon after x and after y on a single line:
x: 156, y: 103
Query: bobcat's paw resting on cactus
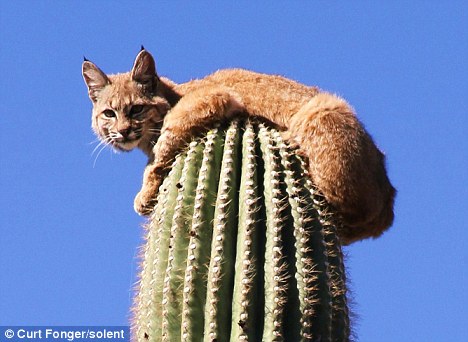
x: 144, y: 203
x: 145, y: 200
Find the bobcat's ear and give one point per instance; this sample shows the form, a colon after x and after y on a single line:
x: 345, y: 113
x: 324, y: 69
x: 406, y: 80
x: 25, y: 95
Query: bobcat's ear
x: 94, y: 78
x: 144, y: 71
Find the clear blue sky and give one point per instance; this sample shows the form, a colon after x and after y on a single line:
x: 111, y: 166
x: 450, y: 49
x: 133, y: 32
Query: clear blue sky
x: 69, y: 236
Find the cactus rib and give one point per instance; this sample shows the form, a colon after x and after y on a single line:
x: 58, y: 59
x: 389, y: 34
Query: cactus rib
x: 244, y: 318
x: 149, y: 299
x: 311, y: 257
x: 200, y: 239
x: 221, y: 269
x: 178, y: 244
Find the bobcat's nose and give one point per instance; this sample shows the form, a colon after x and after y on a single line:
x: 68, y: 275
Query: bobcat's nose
x: 121, y: 135
x: 125, y: 132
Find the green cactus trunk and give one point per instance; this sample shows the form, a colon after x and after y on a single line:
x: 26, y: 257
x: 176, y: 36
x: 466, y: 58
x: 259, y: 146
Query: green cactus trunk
x: 240, y: 247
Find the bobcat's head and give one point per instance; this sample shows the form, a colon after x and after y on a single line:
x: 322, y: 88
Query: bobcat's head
x: 128, y: 109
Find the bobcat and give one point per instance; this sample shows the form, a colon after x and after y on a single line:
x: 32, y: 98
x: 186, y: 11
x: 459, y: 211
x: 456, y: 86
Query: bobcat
x: 141, y: 109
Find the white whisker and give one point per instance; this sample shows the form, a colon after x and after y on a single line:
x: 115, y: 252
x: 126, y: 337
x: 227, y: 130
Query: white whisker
x: 97, y: 146
x: 154, y: 130
x: 105, y: 141
x: 94, y: 141
x: 97, y: 156
x: 103, y: 144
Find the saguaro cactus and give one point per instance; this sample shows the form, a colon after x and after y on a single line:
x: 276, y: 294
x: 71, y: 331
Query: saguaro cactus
x: 240, y: 247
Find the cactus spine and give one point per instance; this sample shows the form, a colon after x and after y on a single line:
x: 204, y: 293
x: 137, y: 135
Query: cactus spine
x: 240, y: 247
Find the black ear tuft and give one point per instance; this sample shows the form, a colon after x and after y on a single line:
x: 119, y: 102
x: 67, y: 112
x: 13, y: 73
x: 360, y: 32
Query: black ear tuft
x: 85, y: 59
x: 142, y: 48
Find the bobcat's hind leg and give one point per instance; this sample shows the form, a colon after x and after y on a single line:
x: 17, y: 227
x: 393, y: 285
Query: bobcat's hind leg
x: 196, y: 112
x: 345, y: 165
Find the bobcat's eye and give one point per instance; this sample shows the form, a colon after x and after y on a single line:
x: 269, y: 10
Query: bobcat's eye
x: 136, y: 110
x: 109, y: 113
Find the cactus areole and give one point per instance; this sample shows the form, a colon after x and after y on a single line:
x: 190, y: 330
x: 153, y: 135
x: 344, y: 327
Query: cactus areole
x: 240, y: 247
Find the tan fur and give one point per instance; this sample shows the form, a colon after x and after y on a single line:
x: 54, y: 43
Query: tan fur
x: 344, y: 162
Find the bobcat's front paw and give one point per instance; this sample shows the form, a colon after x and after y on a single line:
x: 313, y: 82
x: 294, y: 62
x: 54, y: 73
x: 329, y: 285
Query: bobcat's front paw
x: 147, y: 197
x: 144, y: 202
